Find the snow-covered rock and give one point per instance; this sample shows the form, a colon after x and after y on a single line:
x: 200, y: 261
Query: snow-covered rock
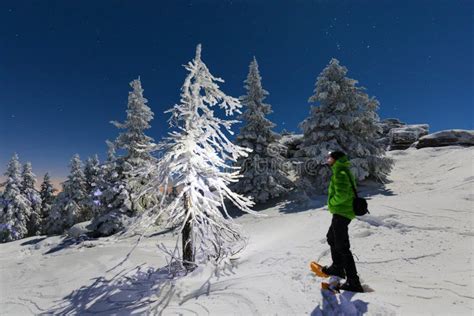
x: 110, y: 223
x: 447, y: 138
x: 79, y: 229
x: 291, y: 142
x: 388, y: 124
x: 403, y: 137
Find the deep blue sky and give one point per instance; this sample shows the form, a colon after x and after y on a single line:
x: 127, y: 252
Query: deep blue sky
x: 65, y: 65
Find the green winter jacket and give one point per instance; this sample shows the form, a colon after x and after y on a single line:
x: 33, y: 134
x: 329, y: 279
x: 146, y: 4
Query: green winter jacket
x: 340, y: 193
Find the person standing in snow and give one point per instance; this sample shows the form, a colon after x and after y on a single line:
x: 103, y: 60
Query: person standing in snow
x: 340, y: 197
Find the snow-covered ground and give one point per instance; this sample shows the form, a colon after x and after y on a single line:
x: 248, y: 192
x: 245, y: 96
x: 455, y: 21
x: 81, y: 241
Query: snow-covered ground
x: 415, y: 250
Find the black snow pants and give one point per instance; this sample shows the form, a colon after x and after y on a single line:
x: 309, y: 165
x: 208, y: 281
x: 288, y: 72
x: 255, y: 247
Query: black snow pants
x: 338, y: 240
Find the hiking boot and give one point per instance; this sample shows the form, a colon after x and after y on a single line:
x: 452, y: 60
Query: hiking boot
x: 352, y: 285
x: 335, y: 271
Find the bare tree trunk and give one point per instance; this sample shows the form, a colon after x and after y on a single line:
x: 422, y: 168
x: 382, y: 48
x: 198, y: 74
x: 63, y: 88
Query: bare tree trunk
x: 188, y: 240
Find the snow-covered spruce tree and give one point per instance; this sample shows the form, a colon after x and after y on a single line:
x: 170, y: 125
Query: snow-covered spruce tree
x: 264, y: 175
x: 118, y: 202
x: 47, y: 200
x: 108, y: 178
x: 345, y: 120
x: 16, y: 208
x: 68, y: 208
x: 195, y: 161
x: 113, y: 205
x: 28, y: 189
x: 138, y: 147
x: 92, y: 174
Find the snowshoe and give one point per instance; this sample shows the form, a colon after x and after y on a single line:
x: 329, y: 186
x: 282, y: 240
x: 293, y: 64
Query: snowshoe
x: 352, y: 285
x: 334, y: 271
x: 317, y: 269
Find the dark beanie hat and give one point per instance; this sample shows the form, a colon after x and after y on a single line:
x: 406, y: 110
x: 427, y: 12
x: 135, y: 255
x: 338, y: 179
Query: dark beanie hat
x: 336, y: 154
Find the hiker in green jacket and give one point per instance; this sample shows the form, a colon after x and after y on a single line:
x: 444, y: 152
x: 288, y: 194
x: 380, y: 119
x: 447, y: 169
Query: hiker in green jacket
x: 340, y: 197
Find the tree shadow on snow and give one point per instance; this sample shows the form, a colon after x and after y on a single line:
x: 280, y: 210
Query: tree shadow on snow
x: 235, y: 212
x: 290, y: 203
x: 298, y: 204
x: 33, y: 241
x: 163, y: 232
x: 68, y: 242
x: 340, y: 304
x: 370, y: 188
x: 140, y: 290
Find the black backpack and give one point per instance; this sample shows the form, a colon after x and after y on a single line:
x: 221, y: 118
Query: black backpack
x: 359, y: 204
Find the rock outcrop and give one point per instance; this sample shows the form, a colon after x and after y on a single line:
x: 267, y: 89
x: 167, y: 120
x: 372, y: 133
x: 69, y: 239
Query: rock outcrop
x: 291, y: 142
x: 447, y: 138
x: 404, y: 137
x: 387, y: 125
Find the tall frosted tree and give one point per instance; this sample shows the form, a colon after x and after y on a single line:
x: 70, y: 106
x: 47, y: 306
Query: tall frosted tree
x: 28, y: 189
x: 68, y: 208
x: 47, y: 199
x: 264, y: 176
x: 346, y: 120
x: 16, y: 207
x: 134, y: 140
x: 196, y: 161
x: 118, y: 202
x: 91, y: 173
x: 109, y: 178
x: 92, y: 180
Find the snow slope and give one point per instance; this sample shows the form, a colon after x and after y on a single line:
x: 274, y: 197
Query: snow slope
x: 415, y: 251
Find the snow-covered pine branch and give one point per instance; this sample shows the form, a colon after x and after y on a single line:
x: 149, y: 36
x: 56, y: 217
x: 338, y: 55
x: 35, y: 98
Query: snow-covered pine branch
x: 263, y: 171
x: 345, y: 120
x: 197, y: 161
